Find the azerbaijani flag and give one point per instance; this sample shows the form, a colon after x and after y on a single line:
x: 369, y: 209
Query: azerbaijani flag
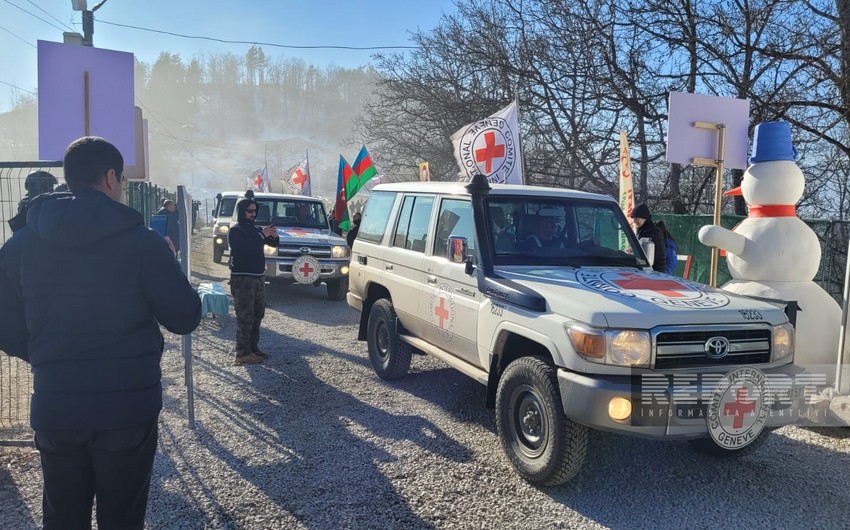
x: 346, y: 175
x: 364, y: 169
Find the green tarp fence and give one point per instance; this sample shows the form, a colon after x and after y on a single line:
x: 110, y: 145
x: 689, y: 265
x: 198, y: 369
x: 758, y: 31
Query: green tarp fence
x: 833, y: 236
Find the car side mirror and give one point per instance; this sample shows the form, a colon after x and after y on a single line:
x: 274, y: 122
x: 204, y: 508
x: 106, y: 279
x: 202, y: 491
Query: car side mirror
x: 458, y: 249
x: 648, y: 249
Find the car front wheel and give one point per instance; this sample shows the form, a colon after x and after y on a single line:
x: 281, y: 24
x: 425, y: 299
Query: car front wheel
x: 543, y: 445
x: 389, y: 355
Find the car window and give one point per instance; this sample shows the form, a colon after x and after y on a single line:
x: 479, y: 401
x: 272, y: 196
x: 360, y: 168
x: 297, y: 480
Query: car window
x: 455, y: 220
x: 412, y: 228
x: 376, y: 216
x: 226, y: 206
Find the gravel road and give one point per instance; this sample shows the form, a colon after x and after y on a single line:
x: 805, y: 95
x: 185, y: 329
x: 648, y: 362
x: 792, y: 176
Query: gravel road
x: 314, y: 439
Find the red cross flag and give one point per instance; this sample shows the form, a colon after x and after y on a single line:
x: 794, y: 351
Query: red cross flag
x: 297, y: 178
x: 259, y: 180
x: 490, y: 147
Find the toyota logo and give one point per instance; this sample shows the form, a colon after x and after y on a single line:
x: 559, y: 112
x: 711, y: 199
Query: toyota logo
x: 716, y: 347
x: 305, y: 250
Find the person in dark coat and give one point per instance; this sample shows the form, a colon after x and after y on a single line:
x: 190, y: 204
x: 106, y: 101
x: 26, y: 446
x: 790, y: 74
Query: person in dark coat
x: 646, y: 228
x: 172, y: 229
x: 36, y: 183
x: 247, y: 279
x: 355, y: 228
x: 84, y: 288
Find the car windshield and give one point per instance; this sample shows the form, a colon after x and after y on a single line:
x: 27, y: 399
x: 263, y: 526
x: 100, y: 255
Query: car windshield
x: 560, y: 232
x: 291, y: 212
x: 226, y: 206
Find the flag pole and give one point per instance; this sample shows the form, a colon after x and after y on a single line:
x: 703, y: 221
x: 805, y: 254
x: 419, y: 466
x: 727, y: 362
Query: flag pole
x: 519, y: 133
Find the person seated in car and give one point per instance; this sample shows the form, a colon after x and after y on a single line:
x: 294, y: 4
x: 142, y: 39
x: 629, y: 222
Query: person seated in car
x: 543, y: 232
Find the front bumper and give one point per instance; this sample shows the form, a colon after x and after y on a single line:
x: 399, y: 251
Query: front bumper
x: 667, y: 408
x: 281, y: 269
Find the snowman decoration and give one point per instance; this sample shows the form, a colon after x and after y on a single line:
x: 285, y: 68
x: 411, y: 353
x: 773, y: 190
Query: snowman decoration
x: 773, y: 254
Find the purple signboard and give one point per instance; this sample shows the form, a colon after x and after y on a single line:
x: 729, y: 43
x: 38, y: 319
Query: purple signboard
x: 68, y: 75
x: 686, y: 142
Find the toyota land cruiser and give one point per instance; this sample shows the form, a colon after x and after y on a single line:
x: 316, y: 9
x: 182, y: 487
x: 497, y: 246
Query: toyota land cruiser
x: 546, y: 297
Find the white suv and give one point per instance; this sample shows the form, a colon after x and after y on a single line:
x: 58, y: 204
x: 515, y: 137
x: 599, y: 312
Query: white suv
x: 546, y: 297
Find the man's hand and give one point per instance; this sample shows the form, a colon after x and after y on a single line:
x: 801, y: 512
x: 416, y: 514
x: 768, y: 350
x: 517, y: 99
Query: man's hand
x: 171, y: 245
x: 269, y: 231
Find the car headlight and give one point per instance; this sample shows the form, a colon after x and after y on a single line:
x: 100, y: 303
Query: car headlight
x: 783, y: 341
x: 221, y: 229
x: 622, y: 347
x: 270, y: 251
x: 340, y: 251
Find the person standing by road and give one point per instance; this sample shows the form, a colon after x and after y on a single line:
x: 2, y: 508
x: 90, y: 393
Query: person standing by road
x: 646, y: 228
x: 355, y: 228
x: 247, y: 279
x: 172, y: 229
x: 84, y: 288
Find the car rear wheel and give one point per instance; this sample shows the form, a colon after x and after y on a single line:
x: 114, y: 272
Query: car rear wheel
x: 389, y: 355
x: 543, y: 445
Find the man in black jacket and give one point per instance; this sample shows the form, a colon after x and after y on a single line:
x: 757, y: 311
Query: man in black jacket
x: 84, y: 287
x: 646, y: 228
x: 247, y: 279
x: 172, y: 228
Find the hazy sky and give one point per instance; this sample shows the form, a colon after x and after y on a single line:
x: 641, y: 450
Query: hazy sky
x: 291, y: 22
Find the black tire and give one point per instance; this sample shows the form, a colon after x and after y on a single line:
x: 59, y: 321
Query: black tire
x: 707, y: 446
x: 217, y: 253
x: 337, y: 289
x: 544, y: 446
x: 389, y: 355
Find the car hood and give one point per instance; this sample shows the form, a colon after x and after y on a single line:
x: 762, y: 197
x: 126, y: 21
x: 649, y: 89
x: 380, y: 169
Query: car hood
x: 633, y: 298
x: 308, y: 235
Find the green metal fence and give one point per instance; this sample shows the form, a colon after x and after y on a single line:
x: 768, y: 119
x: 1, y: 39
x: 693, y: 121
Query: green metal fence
x: 147, y: 198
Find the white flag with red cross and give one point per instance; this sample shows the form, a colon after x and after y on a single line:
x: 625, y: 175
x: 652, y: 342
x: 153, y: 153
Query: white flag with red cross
x: 259, y: 180
x: 297, y: 178
x: 491, y: 147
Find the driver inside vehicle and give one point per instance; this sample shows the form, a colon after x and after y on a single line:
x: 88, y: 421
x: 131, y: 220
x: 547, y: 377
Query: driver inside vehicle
x: 543, y: 231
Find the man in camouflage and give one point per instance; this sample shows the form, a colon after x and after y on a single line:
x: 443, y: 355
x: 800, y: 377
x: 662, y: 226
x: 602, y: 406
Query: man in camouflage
x: 247, y: 279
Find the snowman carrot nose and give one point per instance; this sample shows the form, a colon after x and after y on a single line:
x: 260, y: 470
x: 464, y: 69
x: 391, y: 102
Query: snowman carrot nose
x: 733, y: 192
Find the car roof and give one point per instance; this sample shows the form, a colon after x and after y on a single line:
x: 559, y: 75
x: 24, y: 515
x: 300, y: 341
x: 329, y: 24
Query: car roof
x: 262, y: 195
x: 459, y: 188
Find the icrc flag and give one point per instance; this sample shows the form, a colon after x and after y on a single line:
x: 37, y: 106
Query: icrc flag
x: 259, y: 180
x: 490, y: 147
x: 297, y: 178
x: 627, y: 194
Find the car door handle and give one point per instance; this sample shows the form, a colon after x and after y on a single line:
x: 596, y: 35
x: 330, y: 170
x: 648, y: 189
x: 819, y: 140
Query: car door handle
x: 361, y: 260
x: 432, y: 278
x: 388, y: 267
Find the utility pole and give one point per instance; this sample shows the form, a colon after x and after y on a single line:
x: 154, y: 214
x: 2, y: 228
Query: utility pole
x: 88, y: 18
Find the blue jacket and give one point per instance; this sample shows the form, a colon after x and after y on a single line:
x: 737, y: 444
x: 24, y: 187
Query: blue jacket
x: 672, y: 256
x: 84, y: 287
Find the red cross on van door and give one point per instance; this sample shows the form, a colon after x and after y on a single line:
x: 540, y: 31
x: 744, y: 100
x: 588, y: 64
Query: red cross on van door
x: 442, y: 312
x: 489, y: 152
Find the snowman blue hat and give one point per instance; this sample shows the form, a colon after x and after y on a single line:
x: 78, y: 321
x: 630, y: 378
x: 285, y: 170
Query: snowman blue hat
x: 772, y: 141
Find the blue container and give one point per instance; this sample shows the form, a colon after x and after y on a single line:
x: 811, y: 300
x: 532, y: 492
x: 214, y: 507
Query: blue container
x: 772, y: 141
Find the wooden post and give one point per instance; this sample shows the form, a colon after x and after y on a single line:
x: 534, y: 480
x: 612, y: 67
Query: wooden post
x: 87, y: 118
x: 717, y: 164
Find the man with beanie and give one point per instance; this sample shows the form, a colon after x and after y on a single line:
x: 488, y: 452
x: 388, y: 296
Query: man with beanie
x: 646, y: 228
x: 247, y: 279
x: 84, y: 288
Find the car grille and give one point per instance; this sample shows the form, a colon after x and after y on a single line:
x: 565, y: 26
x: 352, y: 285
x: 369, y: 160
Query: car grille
x: 686, y: 349
x: 294, y: 250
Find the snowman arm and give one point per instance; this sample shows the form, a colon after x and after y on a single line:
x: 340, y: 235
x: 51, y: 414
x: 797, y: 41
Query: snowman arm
x: 717, y: 236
